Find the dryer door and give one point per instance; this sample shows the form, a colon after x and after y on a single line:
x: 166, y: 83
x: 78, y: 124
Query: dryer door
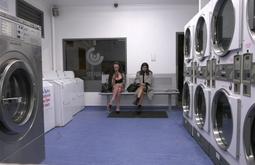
x: 18, y: 99
x: 226, y: 26
x: 201, y: 39
x: 226, y: 121
x: 249, y: 136
x: 188, y: 49
x: 187, y: 99
x: 202, y: 107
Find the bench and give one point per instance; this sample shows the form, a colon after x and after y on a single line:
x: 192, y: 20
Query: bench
x: 169, y: 93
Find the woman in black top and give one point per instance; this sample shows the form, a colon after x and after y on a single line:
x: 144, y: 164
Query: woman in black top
x: 144, y: 81
x: 118, y: 83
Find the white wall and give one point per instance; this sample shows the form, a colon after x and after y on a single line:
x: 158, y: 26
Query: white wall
x: 45, y: 6
x: 150, y: 31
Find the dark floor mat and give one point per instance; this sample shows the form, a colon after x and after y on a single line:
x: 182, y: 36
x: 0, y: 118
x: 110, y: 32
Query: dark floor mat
x: 143, y: 114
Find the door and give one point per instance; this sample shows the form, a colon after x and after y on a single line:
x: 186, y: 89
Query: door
x: 19, y: 96
x: 179, y: 62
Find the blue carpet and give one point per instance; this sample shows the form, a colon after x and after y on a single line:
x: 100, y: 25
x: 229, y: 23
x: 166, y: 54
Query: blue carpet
x: 93, y: 139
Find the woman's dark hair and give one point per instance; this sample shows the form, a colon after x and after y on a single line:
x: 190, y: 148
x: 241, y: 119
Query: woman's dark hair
x: 120, y: 67
x: 147, y: 72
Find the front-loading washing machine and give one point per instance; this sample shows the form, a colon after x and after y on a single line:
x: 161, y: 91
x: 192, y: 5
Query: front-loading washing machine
x: 202, y: 105
x: 226, y: 27
x: 203, y: 44
x: 225, y: 124
x: 247, y: 134
x: 189, y: 64
x: 21, y: 106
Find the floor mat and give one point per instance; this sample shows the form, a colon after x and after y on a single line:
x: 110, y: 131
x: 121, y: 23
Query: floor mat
x: 143, y: 114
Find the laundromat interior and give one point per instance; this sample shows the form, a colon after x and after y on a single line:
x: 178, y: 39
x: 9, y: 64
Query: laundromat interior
x: 127, y: 82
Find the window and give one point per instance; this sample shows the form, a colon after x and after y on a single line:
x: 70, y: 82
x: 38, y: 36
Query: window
x: 30, y: 13
x: 92, y: 59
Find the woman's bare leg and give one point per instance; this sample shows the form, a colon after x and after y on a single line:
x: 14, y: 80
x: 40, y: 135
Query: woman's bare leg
x: 118, y: 95
x: 140, y: 91
x: 141, y: 99
x: 114, y: 93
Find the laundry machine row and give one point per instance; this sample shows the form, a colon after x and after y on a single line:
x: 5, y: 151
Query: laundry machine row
x: 218, y: 84
x: 68, y: 95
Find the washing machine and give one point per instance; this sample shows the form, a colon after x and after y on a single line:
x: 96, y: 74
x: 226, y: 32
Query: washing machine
x: 202, y: 113
x: 247, y: 136
x: 78, y: 89
x: 203, y: 43
x: 225, y: 123
x: 189, y: 65
x: 48, y: 106
x: 226, y: 28
x: 21, y: 106
x: 62, y: 97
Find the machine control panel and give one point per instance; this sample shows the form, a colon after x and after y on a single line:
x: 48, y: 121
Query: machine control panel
x: 208, y: 72
x: 237, y: 74
x: 20, y: 32
x: 213, y: 63
x: 187, y: 71
x: 224, y: 72
x: 248, y: 75
x: 195, y: 70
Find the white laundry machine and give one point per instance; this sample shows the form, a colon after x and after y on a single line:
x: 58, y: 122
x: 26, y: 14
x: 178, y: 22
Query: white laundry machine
x: 78, y: 97
x: 203, y: 44
x: 226, y: 26
x: 247, y: 136
x: 189, y: 65
x: 189, y: 42
x: 63, y: 108
x: 225, y: 123
x: 202, y: 113
x: 187, y: 105
x: 48, y: 106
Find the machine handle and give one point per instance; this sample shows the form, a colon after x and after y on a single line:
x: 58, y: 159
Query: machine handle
x: 19, y: 99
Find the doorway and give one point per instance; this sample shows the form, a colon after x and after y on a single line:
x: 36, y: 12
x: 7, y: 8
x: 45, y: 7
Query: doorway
x: 179, y: 63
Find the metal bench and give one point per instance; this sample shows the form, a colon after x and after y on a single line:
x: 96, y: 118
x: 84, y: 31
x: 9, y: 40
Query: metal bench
x: 169, y: 92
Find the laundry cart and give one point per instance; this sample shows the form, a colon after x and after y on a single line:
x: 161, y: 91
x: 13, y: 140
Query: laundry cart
x: 78, y: 97
x: 63, y: 109
x: 48, y: 106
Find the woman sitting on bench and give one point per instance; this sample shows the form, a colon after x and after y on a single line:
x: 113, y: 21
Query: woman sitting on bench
x: 144, y: 81
x: 118, y: 83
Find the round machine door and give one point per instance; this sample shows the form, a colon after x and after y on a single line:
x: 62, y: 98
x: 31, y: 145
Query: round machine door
x: 18, y: 91
x: 223, y: 26
x: 201, y: 38
x: 222, y: 119
x: 251, y: 17
x: 200, y: 107
x: 186, y: 103
x: 187, y: 43
x: 249, y: 136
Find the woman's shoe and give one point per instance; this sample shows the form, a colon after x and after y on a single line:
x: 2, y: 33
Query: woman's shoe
x: 139, y: 109
x: 136, y: 101
x: 109, y: 107
x: 117, y: 111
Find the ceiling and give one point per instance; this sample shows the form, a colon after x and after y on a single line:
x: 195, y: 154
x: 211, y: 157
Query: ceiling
x: 120, y: 2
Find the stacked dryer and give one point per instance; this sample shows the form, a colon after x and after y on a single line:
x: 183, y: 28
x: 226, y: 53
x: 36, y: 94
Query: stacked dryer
x: 202, y: 91
x: 188, y: 87
x: 247, y: 133
x: 226, y: 80
x: 217, y: 83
